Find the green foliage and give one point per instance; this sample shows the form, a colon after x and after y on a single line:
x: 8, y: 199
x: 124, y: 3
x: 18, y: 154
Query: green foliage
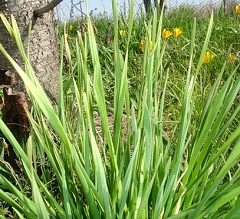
x: 136, y: 134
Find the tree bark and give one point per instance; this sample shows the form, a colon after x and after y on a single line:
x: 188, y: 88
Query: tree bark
x: 50, y: 6
x: 44, y: 58
x: 147, y: 6
x: 158, y: 4
x: 43, y: 46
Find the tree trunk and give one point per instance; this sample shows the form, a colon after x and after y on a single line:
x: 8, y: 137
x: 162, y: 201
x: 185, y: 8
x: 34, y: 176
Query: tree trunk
x: 43, y: 49
x: 44, y: 57
x: 159, y: 4
x: 147, y: 6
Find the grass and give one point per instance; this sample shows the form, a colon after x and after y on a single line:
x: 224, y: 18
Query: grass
x: 136, y: 134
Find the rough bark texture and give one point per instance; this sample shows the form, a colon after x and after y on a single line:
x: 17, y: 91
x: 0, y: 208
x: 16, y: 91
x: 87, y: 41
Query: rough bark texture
x: 50, y: 6
x: 157, y: 4
x: 44, y: 57
x: 13, y: 108
x: 43, y: 43
x: 14, y: 115
x: 147, y: 6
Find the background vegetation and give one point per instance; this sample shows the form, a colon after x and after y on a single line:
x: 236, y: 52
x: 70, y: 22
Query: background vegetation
x: 143, y: 129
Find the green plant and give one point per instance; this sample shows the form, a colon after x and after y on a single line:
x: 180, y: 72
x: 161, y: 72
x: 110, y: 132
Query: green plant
x: 125, y: 168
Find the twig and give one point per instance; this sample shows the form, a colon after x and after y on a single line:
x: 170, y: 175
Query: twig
x: 39, y: 11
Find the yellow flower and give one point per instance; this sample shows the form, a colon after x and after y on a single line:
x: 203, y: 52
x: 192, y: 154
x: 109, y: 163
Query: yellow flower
x: 70, y: 28
x: 207, y: 57
x: 177, y: 32
x: 67, y: 36
x: 143, y: 45
x: 122, y: 32
x: 232, y: 57
x: 238, y: 9
x: 166, y: 33
x: 150, y: 45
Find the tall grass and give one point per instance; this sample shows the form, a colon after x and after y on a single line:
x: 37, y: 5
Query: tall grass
x: 125, y: 168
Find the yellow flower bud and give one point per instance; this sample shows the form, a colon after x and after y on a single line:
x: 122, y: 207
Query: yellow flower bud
x: 143, y: 45
x: 166, y: 33
x: 232, y: 57
x: 207, y: 57
x: 238, y: 9
x: 122, y: 32
x: 70, y: 28
x: 67, y: 36
x: 177, y: 32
